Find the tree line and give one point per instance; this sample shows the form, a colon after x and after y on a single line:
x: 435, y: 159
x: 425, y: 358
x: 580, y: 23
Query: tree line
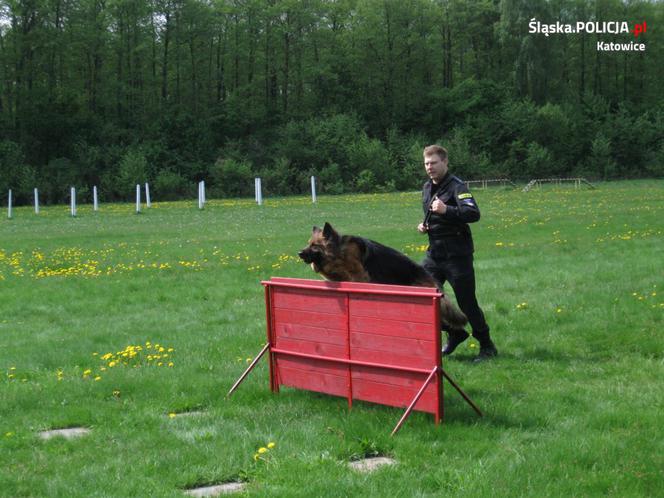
x: 119, y: 92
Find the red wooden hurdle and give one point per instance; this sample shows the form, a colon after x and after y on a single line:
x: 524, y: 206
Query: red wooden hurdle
x: 370, y: 342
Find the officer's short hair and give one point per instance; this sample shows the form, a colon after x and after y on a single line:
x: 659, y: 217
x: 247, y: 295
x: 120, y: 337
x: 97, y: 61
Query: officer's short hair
x: 441, y: 152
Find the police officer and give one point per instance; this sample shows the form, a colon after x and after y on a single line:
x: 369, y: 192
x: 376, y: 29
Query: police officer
x: 448, y: 208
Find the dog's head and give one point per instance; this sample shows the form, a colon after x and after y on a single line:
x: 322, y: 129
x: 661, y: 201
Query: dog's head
x: 322, y: 248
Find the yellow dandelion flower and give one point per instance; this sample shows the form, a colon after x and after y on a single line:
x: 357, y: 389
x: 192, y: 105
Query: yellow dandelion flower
x: 271, y: 445
x: 97, y: 378
x: 256, y: 457
x: 262, y: 450
x: 171, y: 415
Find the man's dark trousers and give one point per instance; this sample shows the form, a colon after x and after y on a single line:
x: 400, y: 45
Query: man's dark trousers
x: 459, y: 272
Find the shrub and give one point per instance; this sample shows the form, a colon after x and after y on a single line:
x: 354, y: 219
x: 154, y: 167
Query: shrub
x: 132, y: 171
x: 366, y: 181
x: 170, y: 186
x: 601, y: 161
x: 231, y: 178
x: 11, y: 168
x: 329, y: 180
x: 538, y: 160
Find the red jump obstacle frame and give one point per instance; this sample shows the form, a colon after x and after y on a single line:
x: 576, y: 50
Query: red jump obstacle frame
x: 370, y: 342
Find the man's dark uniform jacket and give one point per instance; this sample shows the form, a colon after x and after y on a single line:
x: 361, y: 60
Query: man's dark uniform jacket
x: 449, y: 233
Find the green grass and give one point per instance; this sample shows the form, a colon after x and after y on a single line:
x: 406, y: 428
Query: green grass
x: 571, y: 281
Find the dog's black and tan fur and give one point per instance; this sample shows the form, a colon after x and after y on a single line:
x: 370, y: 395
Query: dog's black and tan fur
x: 355, y: 259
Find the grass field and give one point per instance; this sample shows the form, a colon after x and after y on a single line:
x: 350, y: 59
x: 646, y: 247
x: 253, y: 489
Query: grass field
x: 112, y: 321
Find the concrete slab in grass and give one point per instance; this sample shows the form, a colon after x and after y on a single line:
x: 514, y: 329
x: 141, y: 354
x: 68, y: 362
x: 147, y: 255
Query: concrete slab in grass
x: 371, y: 464
x: 69, y: 433
x: 194, y: 413
x: 217, y: 489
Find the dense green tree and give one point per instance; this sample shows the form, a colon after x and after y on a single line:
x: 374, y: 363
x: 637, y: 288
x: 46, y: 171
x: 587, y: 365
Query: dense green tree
x: 347, y: 90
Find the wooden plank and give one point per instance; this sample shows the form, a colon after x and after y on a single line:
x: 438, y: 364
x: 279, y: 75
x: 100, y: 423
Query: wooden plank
x: 310, y: 318
x: 304, y: 332
x: 353, y: 286
x: 392, y: 328
x: 323, y: 383
x: 415, y: 309
x: 385, y: 394
x: 399, y: 345
x: 404, y: 359
x: 312, y: 347
x: 298, y: 281
x: 314, y: 367
x: 387, y: 376
x: 308, y: 300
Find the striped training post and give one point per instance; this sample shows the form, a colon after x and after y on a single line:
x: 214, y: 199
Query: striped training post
x: 138, y: 198
x: 147, y: 195
x: 36, y: 201
x: 9, y: 205
x: 313, y: 189
x: 95, y: 198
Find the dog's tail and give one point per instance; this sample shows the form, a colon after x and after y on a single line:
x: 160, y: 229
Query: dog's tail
x: 451, y: 316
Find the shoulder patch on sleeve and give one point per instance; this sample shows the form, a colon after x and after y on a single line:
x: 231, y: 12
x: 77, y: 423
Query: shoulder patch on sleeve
x: 467, y: 195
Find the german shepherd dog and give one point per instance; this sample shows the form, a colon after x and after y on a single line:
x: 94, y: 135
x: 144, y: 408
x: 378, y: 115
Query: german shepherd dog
x: 355, y: 259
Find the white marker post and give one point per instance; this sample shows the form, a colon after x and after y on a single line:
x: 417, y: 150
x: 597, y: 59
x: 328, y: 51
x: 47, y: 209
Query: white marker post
x: 201, y: 194
x: 313, y: 189
x: 259, y: 193
x: 138, y: 199
x: 36, y: 201
x: 147, y: 195
x: 9, y: 205
x: 95, y: 199
x: 73, y: 202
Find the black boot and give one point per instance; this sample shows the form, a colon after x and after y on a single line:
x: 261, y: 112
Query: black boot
x: 454, y: 338
x: 487, y: 347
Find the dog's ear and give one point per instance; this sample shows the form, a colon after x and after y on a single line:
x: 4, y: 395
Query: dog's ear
x: 330, y: 233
